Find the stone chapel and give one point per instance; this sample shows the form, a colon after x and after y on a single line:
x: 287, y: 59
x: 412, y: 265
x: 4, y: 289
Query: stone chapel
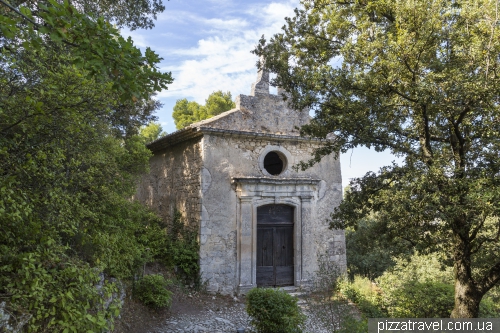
x: 260, y: 222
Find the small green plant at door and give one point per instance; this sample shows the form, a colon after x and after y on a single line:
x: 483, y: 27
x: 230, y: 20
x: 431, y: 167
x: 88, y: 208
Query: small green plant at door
x: 274, y: 311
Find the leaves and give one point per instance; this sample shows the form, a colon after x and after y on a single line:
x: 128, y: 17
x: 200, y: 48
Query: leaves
x: 420, y: 79
x: 73, y: 95
x: 186, y: 113
x: 96, y: 46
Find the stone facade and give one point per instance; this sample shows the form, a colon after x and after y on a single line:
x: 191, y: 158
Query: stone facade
x: 214, y: 172
x: 174, y: 181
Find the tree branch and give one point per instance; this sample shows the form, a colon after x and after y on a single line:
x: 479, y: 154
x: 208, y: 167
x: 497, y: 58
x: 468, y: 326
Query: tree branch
x: 18, y: 12
x: 491, y: 279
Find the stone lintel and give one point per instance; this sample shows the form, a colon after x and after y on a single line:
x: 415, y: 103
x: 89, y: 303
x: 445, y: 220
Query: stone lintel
x: 275, y: 181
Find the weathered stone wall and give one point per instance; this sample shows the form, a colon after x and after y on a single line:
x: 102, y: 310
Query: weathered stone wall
x: 263, y: 113
x: 174, y: 182
x: 228, y: 156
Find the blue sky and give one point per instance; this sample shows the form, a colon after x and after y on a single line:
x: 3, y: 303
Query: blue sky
x: 206, y: 45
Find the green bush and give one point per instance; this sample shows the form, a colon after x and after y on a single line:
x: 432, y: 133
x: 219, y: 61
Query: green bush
x: 352, y: 325
x: 419, y: 288
x: 365, y: 295
x: 274, y: 311
x: 181, y: 250
x: 152, y: 291
x: 430, y: 299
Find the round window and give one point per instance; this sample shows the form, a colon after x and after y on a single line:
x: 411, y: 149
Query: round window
x: 275, y: 163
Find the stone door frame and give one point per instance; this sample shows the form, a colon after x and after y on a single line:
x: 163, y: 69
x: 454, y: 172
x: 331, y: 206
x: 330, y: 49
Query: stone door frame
x: 256, y: 192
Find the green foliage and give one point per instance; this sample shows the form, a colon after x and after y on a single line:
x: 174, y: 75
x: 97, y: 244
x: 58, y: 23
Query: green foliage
x: 353, y: 325
x: 328, y: 304
x: 218, y: 102
x: 430, y: 299
x: 152, y: 132
x: 186, y: 113
x: 57, y: 292
x: 371, y: 246
x: 366, y: 295
x: 73, y: 94
x: 152, y: 291
x: 489, y: 308
x: 418, y: 288
x: 183, y: 250
x: 420, y: 79
x: 95, y: 45
x: 274, y: 311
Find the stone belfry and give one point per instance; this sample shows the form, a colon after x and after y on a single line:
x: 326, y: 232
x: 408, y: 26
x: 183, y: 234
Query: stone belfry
x: 259, y: 221
x: 261, y: 85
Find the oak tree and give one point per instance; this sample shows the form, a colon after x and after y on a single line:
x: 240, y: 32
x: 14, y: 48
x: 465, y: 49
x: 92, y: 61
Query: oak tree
x: 420, y: 79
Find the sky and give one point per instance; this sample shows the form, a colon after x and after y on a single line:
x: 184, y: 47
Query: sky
x: 206, y: 45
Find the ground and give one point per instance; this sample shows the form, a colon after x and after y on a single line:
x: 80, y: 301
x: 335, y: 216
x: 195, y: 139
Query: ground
x: 137, y: 318
x: 193, y: 312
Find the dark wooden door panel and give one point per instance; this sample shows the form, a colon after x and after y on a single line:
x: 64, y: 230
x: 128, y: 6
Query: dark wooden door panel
x: 283, y: 238
x: 284, y: 276
x: 275, y: 245
x: 265, y: 247
x: 265, y: 276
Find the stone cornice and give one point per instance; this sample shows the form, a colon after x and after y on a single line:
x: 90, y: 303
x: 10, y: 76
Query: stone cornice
x: 264, y: 135
x: 174, y: 138
x: 261, y: 187
x: 195, y: 132
x: 275, y: 181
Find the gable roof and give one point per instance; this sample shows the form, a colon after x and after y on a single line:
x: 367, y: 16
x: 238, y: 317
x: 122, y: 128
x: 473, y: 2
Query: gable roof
x: 259, y: 114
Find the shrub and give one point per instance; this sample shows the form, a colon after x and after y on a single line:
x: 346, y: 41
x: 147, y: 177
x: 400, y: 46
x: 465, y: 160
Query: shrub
x: 327, y: 304
x: 365, y: 295
x: 274, y: 311
x: 182, y: 251
x: 152, y: 291
x: 418, y: 288
x: 430, y: 299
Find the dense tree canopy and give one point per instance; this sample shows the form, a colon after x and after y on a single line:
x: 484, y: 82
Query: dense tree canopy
x: 93, y: 43
x: 421, y: 79
x: 186, y: 113
x: 73, y: 95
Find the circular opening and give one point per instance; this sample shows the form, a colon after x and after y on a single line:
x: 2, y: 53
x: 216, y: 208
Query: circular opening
x: 274, y: 163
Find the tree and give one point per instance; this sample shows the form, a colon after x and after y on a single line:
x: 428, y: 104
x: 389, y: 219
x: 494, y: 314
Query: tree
x: 152, y: 132
x: 186, y: 113
x: 95, y: 45
x: 70, y: 111
x: 371, y: 248
x: 421, y: 79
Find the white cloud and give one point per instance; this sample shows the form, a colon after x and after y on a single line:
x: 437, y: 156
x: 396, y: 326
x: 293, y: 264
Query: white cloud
x: 222, y: 60
x: 138, y: 38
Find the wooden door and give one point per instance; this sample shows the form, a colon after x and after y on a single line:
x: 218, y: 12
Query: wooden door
x: 275, y: 245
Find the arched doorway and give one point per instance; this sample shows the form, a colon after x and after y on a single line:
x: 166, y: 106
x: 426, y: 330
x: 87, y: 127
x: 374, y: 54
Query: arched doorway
x: 275, y: 245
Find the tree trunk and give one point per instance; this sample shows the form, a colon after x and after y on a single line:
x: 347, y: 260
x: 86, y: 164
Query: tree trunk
x: 467, y: 295
x: 467, y: 300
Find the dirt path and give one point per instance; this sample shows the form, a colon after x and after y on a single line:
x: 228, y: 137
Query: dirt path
x: 194, y: 313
